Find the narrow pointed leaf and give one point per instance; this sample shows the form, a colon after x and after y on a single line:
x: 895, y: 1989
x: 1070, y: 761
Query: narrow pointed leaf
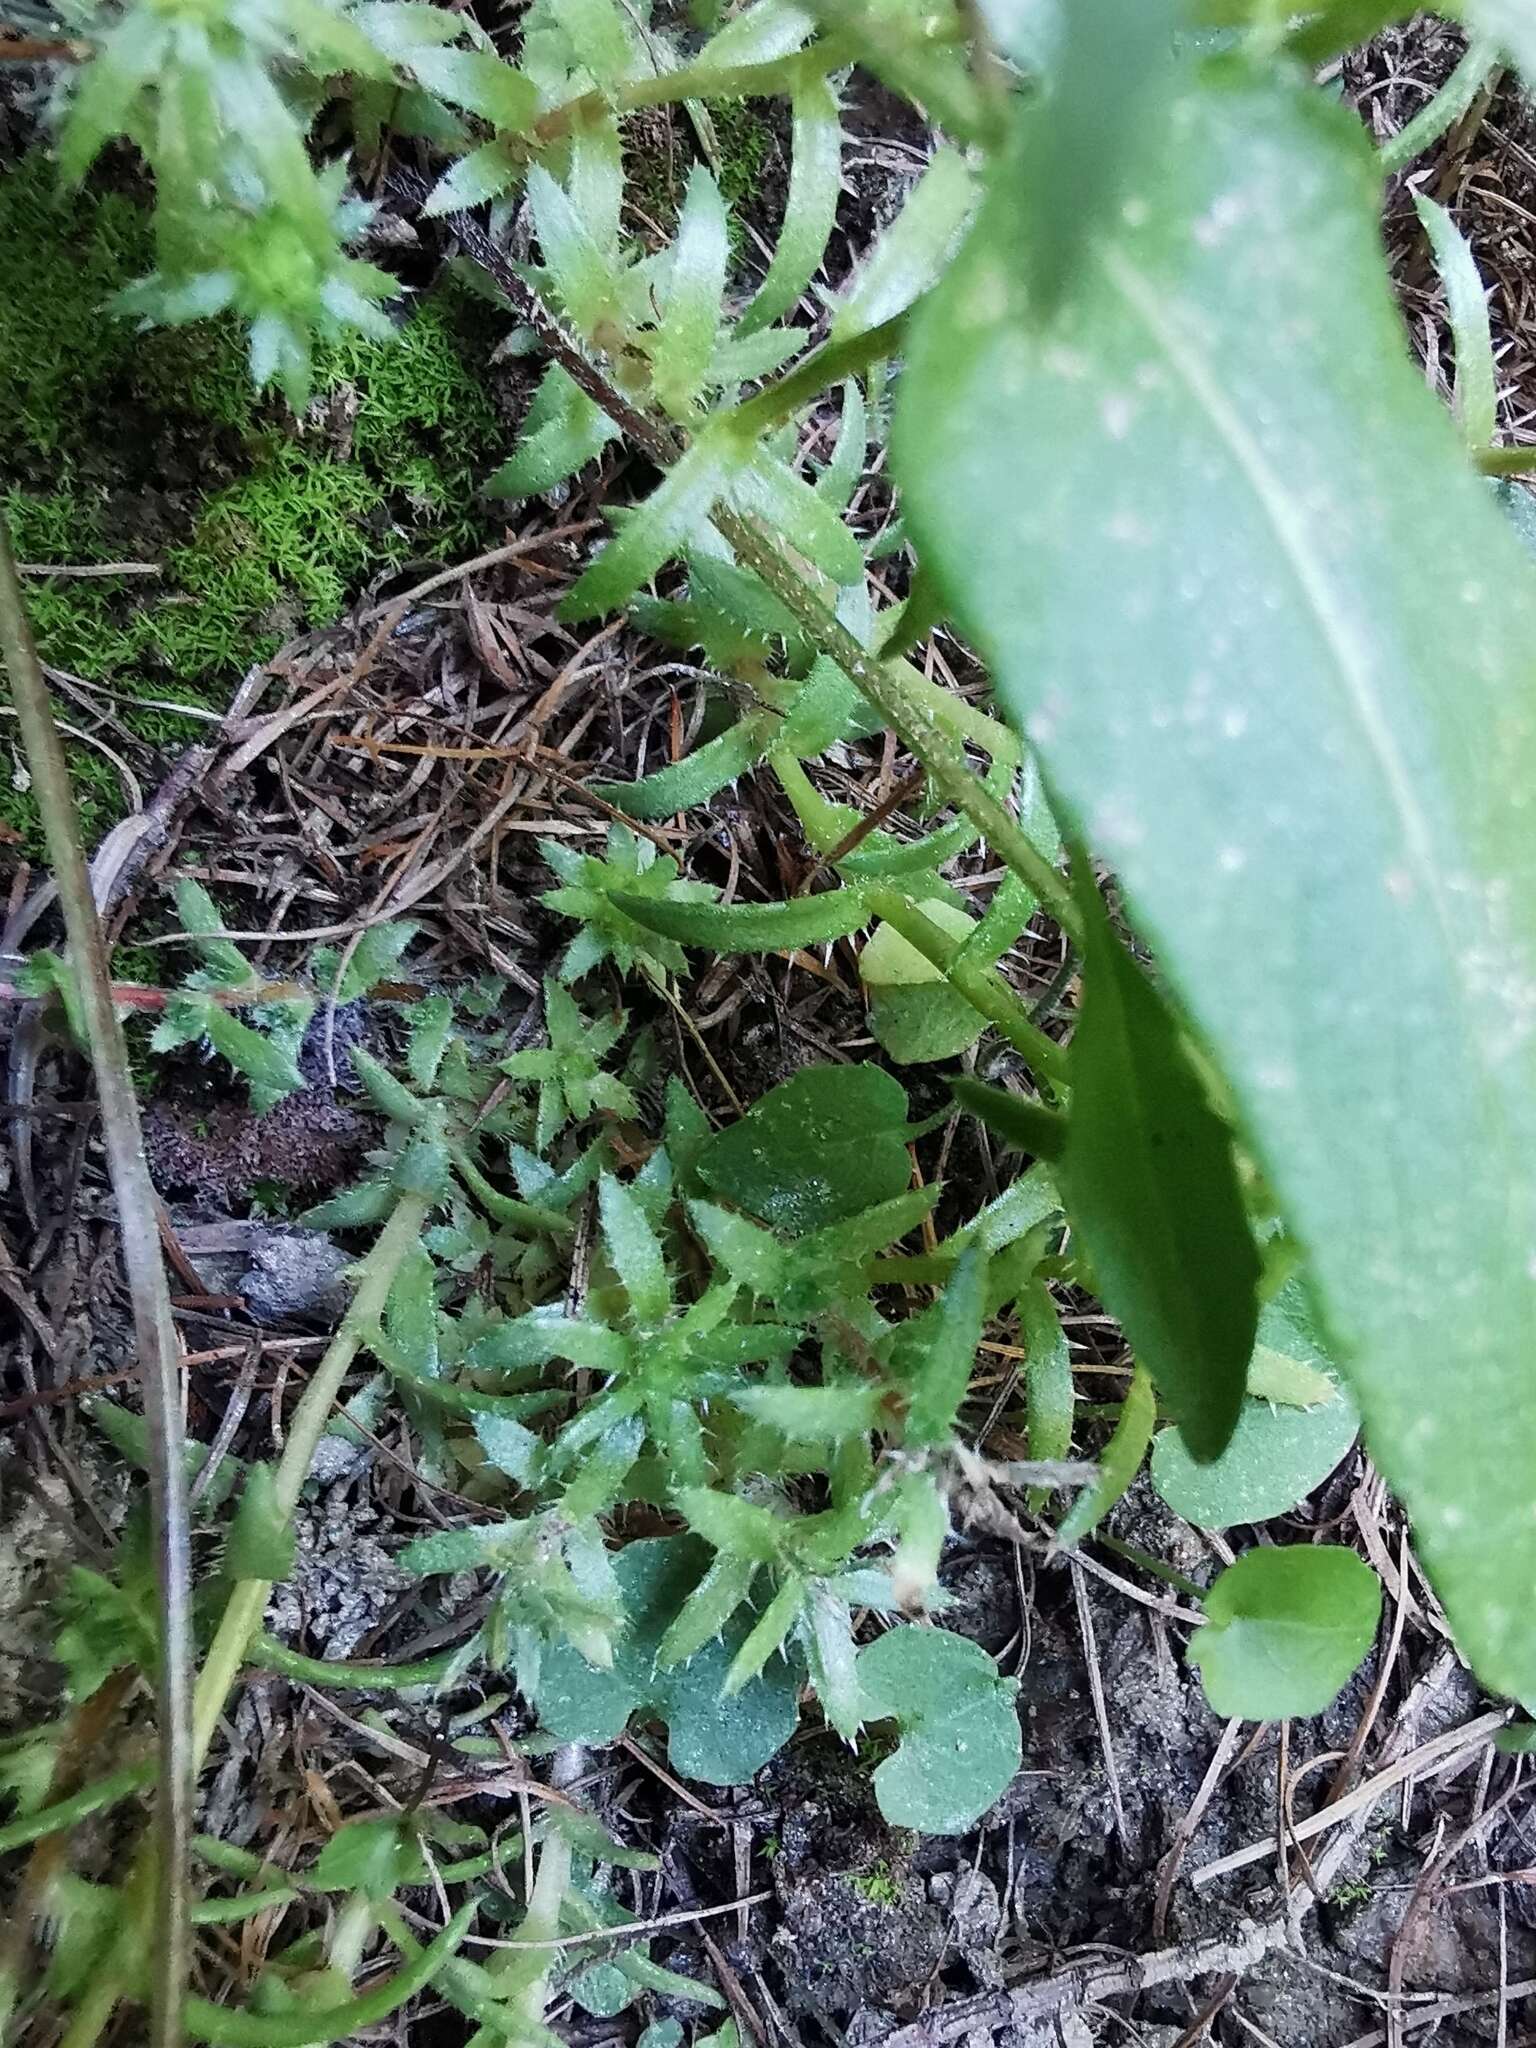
x: 657, y: 529
x: 910, y: 256
x: 690, y: 316
x: 1151, y: 1186
x: 752, y: 927
x: 632, y: 1245
x: 1466, y: 299
x: 815, y: 179
x: 1119, y: 1462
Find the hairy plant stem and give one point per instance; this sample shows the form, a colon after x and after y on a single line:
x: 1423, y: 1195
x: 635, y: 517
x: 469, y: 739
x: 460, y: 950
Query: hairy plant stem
x: 248, y: 1598
x: 979, y: 982
x: 1443, y: 111
x: 930, y: 721
x: 983, y: 987
x: 154, y: 1332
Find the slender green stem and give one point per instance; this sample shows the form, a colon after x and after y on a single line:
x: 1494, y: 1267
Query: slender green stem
x: 982, y: 987
x: 226, y: 1912
x: 813, y: 374
x: 154, y: 1332
x: 1445, y: 109
x: 248, y: 1598
x: 49, y: 1820
x: 933, y: 723
x: 1515, y: 461
x: 272, y: 1655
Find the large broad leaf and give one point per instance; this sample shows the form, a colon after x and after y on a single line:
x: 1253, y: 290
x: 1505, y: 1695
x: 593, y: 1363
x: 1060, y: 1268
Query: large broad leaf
x: 1274, y: 645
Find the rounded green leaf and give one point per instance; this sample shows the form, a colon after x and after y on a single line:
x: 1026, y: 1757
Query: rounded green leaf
x: 959, y: 1727
x: 1274, y: 1459
x: 722, y: 1741
x: 913, y: 1012
x: 1286, y: 1630
x: 821, y: 1147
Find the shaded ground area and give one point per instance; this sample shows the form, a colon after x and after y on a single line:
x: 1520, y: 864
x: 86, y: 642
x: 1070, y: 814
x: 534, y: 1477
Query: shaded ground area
x: 1152, y: 1875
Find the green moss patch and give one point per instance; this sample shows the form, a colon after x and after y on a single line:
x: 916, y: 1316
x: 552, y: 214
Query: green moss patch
x: 123, y: 446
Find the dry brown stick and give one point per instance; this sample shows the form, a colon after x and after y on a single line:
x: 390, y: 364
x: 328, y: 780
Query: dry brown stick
x: 1100, y: 1710
x: 1431, y: 1757
x: 1183, y: 1834
x: 1090, y: 1983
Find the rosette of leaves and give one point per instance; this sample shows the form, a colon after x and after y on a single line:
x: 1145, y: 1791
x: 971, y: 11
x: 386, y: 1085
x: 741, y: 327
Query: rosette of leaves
x: 630, y: 866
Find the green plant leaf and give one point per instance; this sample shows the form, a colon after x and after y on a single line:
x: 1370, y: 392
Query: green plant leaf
x: 815, y: 179
x: 1166, y: 445
x: 914, y: 1013
x: 938, y: 1350
x: 1286, y: 1630
x: 752, y: 1256
x: 1119, y: 1462
x: 722, y: 1741
x: 267, y: 1062
x: 1274, y: 1459
x: 1151, y: 1185
x: 371, y: 1856
x: 633, y: 1247
x: 1091, y: 136
x: 658, y: 529
x: 813, y: 1415
x: 1467, y: 303
x: 1049, y: 1395
x: 910, y: 256
x: 1277, y: 1454
x: 772, y: 492
x: 509, y: 1445
x: 752, y: 927
x: 201, y: 919
x: 261, y: 1539
x: 374, y: 958
x: 818, y: 1149
x: 959, y: 1727
x: 481, y: 83
x: 563, y: 431
x: 684, y: 343
x: 1510, y: 24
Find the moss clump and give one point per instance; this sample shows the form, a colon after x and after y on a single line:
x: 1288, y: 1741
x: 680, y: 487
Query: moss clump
x: 746, y: 155
x: 748, y: 148
x: 877, y: 1885
x: 153, y: 447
